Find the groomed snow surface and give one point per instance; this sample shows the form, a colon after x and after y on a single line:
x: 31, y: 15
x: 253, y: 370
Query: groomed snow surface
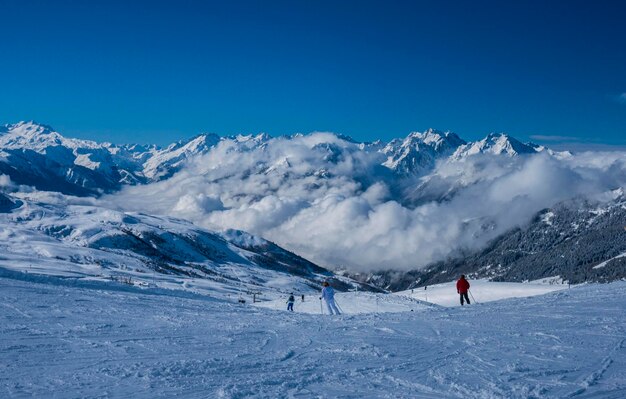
x: 481, y: 291
x: 66, y: 340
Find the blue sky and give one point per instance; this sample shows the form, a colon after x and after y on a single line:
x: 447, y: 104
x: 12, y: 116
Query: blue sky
x: 155, y: 71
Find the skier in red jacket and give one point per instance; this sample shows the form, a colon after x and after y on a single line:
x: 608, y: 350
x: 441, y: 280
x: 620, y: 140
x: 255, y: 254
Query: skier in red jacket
x: 462, y: 286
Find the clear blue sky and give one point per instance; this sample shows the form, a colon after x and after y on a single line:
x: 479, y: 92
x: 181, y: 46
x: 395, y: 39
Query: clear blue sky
x: 156, y: 71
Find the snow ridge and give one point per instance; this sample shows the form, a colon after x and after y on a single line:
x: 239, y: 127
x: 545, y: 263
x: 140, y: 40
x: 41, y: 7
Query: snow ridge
x: 494, y: 143
x: 35, y: 154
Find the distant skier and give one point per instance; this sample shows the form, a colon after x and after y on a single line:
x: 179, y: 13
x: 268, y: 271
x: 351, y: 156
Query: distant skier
x: 329, y: 297
x: 290, y: 302
x: 302, y: 297
x: 462, y: 286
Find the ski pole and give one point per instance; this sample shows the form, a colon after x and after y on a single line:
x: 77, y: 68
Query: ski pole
x: 321, y: 308
x: 470, y: 292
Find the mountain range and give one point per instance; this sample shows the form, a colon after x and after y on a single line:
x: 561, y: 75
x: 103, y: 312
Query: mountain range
x: 36, y: 155
x: 395, y: 215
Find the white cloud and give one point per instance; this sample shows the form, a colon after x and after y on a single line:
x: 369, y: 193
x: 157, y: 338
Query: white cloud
x: 331, y: 202
x: 5, y: 181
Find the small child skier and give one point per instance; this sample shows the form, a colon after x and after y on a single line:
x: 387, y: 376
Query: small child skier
x: 290, y: 302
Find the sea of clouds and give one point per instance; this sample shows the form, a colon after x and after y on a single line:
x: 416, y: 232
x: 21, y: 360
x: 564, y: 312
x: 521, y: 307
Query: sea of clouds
x: 331, y: 201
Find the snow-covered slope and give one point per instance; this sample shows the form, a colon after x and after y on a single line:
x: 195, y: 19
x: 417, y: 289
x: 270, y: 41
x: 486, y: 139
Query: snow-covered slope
x: 82, y: 241
x: 351, y: 303
x: 90, y: 341
x: 483, y: 291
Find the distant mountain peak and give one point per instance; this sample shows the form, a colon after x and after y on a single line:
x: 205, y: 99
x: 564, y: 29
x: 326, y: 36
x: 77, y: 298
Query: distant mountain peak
x: 494, y: 143
x: 435, y: 137
x: 261, y: 137
x: 30, y: 127
x: 419, y: 150
x: 29, y: 135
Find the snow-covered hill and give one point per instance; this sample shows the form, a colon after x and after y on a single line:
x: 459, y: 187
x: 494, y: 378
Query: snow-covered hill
x: 72, y: 239
x: 86, y: 340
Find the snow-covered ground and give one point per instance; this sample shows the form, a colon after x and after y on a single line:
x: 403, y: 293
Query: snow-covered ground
x: 105, y: 340
x: 601, y: 265
x: 350, y: 303
x: 86, y: 242
x: 481, y: 291
x: 412, y: 300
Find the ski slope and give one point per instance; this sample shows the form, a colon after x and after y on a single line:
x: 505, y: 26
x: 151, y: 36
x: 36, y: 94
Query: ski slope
x: 417, y: 299
x: 350, y: 303
x: 482, y: 291
x: 59, y: 340
x: 77, y: 241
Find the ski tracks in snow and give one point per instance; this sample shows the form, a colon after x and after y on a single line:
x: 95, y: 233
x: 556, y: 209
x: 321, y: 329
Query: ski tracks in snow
x: 67, y: 342
x: 594, y: 377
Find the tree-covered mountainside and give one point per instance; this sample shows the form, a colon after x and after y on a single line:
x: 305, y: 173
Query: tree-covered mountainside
x: 577, y: 240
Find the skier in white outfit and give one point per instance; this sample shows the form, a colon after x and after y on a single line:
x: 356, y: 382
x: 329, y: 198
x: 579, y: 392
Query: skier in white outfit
x: 329, y: 296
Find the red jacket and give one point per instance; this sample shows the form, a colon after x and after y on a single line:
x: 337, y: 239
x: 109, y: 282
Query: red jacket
x: 462, y: 286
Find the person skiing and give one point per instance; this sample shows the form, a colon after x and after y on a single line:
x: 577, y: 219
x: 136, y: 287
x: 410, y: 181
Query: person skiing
x: 290, y: 302
x: 329, y: 297
x: 462, y: 286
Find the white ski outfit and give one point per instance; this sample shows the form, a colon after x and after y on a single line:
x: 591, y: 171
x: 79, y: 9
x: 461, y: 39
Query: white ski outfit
x: 329, y: 297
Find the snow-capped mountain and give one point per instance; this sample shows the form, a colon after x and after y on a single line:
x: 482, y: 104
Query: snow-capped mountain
x: 494, y: 143
x: 163, y: 163
x: 37, y: 155
x: 418, y: 152
x: 335, y: 201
